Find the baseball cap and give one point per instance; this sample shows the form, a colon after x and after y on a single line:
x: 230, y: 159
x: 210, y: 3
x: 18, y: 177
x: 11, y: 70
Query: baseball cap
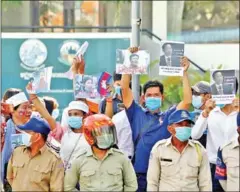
x: 238, y: 119
x: 37, y: 125
x: 202, y: 87
x: 179, y: 116
x: 17, y: 99
x: 78, y: 105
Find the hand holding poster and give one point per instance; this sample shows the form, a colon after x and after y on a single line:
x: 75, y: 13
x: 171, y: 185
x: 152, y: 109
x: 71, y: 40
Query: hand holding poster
x: 41, y: 80
x: 170, y: 55
x: 86, y: 87
x: 223, y: 86
x: 80, y: 53
x: 132, y: 63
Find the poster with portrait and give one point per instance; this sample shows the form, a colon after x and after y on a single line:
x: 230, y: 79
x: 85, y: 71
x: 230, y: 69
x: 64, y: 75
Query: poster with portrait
x: 170, y: 55
x: 86, y: 86
x: 41, y: 80
x: 223, y: 86
x: 132, y: 63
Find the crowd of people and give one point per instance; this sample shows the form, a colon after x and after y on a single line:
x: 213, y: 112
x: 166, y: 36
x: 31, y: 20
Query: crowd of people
x: 122, y: 145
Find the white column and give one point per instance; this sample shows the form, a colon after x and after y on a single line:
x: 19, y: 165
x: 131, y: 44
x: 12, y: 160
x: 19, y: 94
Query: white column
x: 159, y: 19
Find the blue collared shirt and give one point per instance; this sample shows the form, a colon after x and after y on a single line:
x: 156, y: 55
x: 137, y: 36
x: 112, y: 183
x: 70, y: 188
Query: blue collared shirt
x: 153, y: 128
x: 7, y: 148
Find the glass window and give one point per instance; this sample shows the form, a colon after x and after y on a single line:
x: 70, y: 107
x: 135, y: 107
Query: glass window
x: 203, y: 21
x: 51, y: 14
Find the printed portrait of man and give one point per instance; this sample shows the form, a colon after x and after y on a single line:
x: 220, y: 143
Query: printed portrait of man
x: 219, y: 87
x: 168, y: 59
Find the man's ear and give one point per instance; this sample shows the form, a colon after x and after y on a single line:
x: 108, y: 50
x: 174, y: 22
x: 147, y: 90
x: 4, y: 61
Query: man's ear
x: 170, y: 129
x: 35, y: 137
x: 163, y: 97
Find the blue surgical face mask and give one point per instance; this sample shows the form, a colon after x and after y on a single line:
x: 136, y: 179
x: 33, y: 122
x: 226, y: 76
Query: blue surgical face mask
x: 183, y: 133
x: 220, y: 105
x: 197, y: 101
x: 118, y: 90
x: 75, y: 122
x: 153, y: 103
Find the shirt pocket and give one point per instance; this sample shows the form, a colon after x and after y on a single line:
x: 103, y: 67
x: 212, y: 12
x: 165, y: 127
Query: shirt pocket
x: 17, y: 167
x: 192, y: 169
x: 40, y: 173
x: 233, y: 168
x: 86, y: 177
x: 167, y: 168
x: 114, y: 176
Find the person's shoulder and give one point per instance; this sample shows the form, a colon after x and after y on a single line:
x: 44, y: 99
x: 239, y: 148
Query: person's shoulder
x: 195, y: 142
x: 160, y: 143
x: 19, y: 149
x: 117, y: 151
x: 228, y: 145
x: 82, y: 154
x: 52, y: 153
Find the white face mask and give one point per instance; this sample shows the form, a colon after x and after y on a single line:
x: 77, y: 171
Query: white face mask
x: 20, y: 139
x: 55, y: 113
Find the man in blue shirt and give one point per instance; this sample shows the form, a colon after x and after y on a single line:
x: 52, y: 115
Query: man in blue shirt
x: 201, y: 92
x: 149, y: 124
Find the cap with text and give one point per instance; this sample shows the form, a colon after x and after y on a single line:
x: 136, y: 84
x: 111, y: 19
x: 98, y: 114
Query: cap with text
x: 179, y: 116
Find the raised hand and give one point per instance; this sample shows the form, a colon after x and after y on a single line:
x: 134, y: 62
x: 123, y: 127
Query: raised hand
x: 184, y: 63
x: 209, y: 106
x: 235, y: 104
x: 78, y: 65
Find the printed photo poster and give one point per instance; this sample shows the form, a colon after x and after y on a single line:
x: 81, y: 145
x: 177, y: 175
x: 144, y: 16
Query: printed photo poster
x: 223, y: 86
x: 132, y: 63
x: 41, y: 80
x: 170, y: 55
x: 86, y: 86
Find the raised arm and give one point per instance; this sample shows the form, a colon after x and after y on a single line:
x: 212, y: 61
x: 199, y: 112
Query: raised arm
x: 187, y: 92
x: 78, y: 67
x: 41, y: 109
x: 202, y: 121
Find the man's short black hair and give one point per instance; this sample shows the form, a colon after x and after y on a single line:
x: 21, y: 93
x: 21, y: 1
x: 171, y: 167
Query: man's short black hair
x: 215, y: 72
x: 117, y: 77
x: 133, y: 55
x: 155, y: 83
x: 165, y: 44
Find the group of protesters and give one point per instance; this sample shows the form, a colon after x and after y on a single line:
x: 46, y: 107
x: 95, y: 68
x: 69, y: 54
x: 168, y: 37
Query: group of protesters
x: 121, y: 144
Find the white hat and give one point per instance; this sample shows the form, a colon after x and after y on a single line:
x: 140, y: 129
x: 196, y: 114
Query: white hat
x: 78, y: 105
x: 17, y: 99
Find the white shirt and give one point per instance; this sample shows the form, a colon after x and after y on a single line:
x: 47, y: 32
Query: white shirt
x: 124, y: 133
x: 72, y: 145
x: 222, y: 129
x: 64, y: 120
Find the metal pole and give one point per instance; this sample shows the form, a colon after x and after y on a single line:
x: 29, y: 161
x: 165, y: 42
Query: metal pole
x: 135, y: 42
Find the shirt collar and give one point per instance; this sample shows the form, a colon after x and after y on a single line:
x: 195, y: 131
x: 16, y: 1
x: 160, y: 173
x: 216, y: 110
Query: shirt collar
x: 218, y: 109
x: 90, y: 152
x: 42, y: 150
x: 147, y: 111
x: 170, y: 139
